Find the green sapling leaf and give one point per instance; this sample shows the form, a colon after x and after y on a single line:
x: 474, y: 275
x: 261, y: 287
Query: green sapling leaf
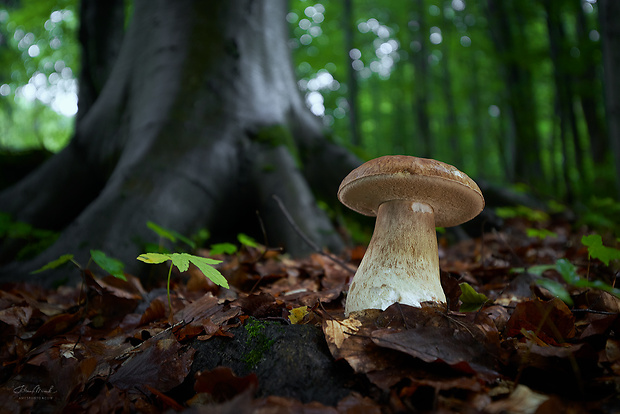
x: 223, y: 248
x: 557, y: 289
x: 109, y: 264
x: 54, y: 263
x: 596, y: 250
x: 568, y: 271
x: 247, y: 240
x: 472, y: 300
x: 170, y: 234
x: 540, y: 233
x: 537, y: 270
x: 154, y: 258
x: 161, y: 232
x: 204, y: 264
x: 180, y: 260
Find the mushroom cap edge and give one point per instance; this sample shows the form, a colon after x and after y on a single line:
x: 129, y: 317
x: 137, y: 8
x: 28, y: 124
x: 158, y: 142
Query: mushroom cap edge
x: 454, y: 197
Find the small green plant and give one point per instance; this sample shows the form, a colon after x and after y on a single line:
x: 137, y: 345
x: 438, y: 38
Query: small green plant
x: 471, y: 300
x: 597, y: 250
x: 223, y: 248
x: 109, y: 264
x: 522, y: 211
x: 540, y: 233
x: 229, y: 248
x: 171, y: 235
x: 600, y: 213
x: 35, y: 240
x: 569, y: 274
x: 182, y: 261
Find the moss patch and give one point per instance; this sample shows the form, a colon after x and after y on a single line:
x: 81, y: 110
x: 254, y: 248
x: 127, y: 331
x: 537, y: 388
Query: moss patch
x: 257, y: 341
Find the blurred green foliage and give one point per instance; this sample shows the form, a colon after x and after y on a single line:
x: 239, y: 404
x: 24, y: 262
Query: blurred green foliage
x: 39, y: 62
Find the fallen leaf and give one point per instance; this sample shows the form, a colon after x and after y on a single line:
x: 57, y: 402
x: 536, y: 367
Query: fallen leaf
x: 16, y: 316
x: 161, y: 363
x: 551, y: 321
x: 296, y: 315
x: 520, y: 401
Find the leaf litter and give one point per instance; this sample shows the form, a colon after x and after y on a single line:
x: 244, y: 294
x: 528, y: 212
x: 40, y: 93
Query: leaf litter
x: 503, y: 343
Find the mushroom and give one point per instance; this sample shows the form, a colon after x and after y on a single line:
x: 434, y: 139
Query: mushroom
x: 410, y: 196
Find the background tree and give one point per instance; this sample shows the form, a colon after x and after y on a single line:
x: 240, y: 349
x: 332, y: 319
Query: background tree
x: 198, y: 123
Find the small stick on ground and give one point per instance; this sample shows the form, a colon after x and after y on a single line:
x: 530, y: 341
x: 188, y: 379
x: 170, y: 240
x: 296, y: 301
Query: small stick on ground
x: 307, y: 240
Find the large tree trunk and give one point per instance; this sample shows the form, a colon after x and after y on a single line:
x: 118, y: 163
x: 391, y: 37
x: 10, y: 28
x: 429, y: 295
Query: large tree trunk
x: 198, y: 125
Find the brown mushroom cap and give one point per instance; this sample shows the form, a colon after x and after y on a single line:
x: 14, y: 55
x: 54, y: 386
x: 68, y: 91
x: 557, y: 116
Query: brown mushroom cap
x: 454, y: 197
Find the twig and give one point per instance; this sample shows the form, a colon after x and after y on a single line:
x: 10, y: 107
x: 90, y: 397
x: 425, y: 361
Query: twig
x: 134, y: 348
x: 306, y: 239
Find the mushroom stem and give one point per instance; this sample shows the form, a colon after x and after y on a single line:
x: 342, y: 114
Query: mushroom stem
x: 401, y: 263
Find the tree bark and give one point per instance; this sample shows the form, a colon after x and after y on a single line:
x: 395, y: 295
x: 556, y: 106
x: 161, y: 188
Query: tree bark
x: 101, y: 36
x: 198, y: 125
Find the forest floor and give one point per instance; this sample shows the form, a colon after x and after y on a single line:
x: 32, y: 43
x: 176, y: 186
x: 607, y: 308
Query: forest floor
x: 277, y: 341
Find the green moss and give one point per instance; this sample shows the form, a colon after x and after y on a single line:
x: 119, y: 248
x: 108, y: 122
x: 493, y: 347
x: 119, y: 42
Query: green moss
x: 257, y: 342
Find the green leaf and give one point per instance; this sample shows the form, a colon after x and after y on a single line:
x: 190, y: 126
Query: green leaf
x: 205, y: 260
x: 568, y: 271
x: 247, y: 240
x: 54, y: 263
x: 596, y: 250
x: 223, y: 248
x: 522, y: 211
x: 557, y: 289
x: 540, y: 233
x: 537, y: 270
x: 113, y: 266
x: 161, y: 232
x: 599, y: 284
x: 472, y: 300
x: 180, y: 260
x: 204, y: 265
x: 154, y: 258
x: 201, y: 237
x: 170, y: 234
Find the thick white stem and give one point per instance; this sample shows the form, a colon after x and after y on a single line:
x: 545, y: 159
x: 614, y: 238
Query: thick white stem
x: 401, y: 263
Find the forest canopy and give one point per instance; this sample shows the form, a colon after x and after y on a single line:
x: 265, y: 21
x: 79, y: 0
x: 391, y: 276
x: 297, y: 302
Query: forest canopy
x: 510, y: 92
